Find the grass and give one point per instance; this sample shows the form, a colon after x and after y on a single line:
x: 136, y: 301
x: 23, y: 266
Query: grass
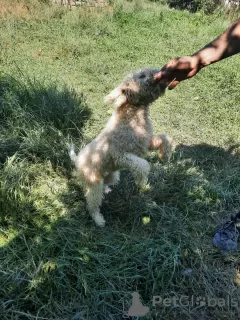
x: 56, y: 66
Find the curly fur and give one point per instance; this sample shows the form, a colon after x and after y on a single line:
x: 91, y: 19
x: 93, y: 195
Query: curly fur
x: 124, y: 141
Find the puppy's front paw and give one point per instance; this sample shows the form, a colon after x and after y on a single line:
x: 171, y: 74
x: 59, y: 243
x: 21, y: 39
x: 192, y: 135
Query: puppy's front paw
x: 166, y: 148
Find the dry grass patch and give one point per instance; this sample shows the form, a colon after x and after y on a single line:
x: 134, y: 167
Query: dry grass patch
x: 14, y: 8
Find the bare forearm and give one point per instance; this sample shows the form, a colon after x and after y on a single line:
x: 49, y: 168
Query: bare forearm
x: 179, y: 69
x: 224, y: 46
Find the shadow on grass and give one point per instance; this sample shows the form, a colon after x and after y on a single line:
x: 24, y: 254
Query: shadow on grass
x: 199, y: 180
x: 36, y: 124
x: 37, y: 121
x: 220, y: 167
x: 210, y: 157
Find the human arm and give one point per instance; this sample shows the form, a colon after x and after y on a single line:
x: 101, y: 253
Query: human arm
x: 179, y: 69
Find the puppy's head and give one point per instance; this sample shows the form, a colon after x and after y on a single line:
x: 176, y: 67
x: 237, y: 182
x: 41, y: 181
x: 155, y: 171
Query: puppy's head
x: 138, y: 89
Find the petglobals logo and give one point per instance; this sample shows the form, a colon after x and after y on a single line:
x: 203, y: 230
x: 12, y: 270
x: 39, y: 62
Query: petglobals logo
x: 192, y: 301
x: 137, y: 309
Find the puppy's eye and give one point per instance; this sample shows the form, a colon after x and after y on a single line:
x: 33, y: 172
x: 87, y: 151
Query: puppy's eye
x: 142, y: 76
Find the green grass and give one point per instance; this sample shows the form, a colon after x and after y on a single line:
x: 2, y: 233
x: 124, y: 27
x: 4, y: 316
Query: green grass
x: 56, y: 66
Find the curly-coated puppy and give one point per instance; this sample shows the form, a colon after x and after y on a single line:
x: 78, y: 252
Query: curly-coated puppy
x: 124, y: 141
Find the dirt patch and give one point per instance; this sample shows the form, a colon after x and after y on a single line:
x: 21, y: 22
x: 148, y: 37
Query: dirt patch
x: 14, y: 8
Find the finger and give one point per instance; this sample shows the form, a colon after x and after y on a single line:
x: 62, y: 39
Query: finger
x: 165, y: 77
x: 162, y: 73
x: 159, y: 75
x: 173, y: 84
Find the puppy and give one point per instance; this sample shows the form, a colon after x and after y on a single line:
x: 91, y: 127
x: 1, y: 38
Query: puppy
x: 124, y: 141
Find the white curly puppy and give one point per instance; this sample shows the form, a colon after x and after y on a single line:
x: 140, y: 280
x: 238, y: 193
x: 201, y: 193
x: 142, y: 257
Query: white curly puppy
x: 124, y: 141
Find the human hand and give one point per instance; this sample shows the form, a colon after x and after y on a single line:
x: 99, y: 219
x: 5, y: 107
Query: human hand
x: 177, y: 70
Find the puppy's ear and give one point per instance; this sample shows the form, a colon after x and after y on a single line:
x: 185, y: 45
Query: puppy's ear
x: 117, y: 97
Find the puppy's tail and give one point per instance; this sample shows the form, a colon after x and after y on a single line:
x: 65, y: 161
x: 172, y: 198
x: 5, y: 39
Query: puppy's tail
x: 72, y: 153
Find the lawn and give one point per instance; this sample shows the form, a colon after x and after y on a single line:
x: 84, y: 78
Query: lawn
x: 56, y: 66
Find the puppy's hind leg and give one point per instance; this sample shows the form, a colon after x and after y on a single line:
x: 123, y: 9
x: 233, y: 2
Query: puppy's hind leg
x: 110, y: 180
x: 94, y: 196
x: 138, y: 166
